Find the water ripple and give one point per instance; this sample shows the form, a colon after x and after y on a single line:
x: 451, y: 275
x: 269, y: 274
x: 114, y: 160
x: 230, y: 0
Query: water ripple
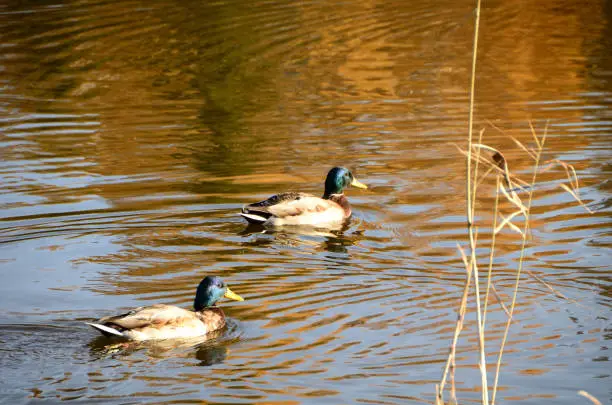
x: 132, y: 133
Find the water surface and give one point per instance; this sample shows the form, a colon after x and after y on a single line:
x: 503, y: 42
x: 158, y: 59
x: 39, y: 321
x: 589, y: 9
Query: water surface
x: 132, y: 132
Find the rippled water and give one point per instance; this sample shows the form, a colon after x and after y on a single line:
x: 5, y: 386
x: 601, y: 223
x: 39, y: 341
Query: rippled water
x: 132, y: 132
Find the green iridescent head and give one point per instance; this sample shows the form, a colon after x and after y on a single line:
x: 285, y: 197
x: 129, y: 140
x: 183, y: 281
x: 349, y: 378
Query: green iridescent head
x: 211, y: 290
x: 338, y: 179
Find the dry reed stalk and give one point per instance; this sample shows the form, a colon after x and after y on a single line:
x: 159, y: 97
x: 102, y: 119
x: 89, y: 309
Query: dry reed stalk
x: 491, y: 256
x: 551, y: 288
x: 474, y: 263
x: 471, y: 265
x: 517, y: 182
x: 470, y: 212
x: 484, y: 176
x: 475, y: 180
x: 453, y: 392
x: 459, y: 325
x: 540, y: 144
x: 573, y: 179
x: 498, y: 298
x: 481, y: 344
x: 589, y: 396
x: 509, y: 193
x: 508, y: 189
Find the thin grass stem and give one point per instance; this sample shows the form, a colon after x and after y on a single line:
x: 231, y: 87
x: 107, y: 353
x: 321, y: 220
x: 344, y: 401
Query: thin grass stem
x: 470, y: 211
x: 491, y: 252
x: 521, y: 260
x: 458, y: 326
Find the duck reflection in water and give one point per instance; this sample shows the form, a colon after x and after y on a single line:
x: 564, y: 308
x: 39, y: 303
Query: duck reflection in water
x: 334, y: 241
x: 210, y: 354
x: 209, y: 350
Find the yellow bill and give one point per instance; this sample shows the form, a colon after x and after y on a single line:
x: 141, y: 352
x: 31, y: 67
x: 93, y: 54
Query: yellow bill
x: 358, y: 184
x: 232, y: 295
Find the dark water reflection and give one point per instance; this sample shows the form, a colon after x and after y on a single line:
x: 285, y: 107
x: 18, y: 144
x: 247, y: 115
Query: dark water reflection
x: 131, y: 133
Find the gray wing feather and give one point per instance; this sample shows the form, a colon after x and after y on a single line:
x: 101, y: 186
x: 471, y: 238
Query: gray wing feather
x: 262, y: 208
x: 154, y: 315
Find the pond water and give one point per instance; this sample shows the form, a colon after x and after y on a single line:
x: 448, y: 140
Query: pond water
x: 132, y: 132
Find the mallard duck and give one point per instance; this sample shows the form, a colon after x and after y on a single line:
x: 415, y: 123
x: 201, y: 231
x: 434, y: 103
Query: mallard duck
x: 162, y: 321
x: 294, y: 208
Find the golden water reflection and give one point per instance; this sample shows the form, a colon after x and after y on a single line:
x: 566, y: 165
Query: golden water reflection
x: 132, y: 133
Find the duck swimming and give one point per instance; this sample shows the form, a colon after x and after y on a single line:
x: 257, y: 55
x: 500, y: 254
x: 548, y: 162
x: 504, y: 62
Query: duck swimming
x: 295, y: 208
x: 162, y: 321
